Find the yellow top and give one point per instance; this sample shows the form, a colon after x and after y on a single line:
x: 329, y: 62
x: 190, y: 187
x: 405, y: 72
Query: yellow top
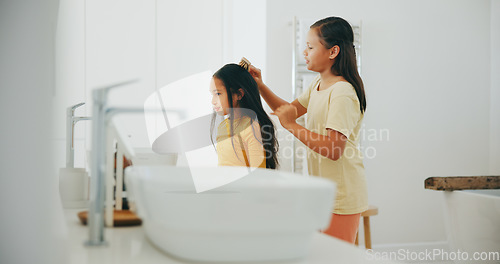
x: 248, y: 150
x: 337, y: 108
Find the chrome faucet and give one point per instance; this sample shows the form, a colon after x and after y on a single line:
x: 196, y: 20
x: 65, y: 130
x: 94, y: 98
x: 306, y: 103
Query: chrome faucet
x: 71, y: 121
x: 101, y: 116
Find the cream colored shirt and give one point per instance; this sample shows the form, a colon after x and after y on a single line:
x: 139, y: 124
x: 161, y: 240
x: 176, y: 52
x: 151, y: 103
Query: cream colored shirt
x: 247, y: 142
x: 337, y: 108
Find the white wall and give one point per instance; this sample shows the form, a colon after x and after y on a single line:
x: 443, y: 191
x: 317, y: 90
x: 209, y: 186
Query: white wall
x: 32, y: 229
x: 105, y: 42
x: 189, y: 39
x: 245, y: 37
x: 100, y: 43
x: 426, y: 70
x: 495, y: 89
x: 120, y: 46
x: 70, y: 79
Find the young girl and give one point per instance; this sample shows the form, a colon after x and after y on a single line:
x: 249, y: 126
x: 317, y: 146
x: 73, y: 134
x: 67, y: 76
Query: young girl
x: 247, y: 136
x: 335, y: 103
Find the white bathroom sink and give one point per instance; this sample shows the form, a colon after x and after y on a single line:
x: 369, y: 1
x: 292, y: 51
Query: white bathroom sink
x: 473, y: 224
x: 265, y: 216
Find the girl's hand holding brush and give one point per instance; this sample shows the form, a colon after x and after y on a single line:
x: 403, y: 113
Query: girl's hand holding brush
x: 256, y: 74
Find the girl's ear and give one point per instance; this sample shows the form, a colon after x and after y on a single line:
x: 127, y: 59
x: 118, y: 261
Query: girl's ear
x: 241, y: 93
x: 237, y: 97
x: 334, y: 51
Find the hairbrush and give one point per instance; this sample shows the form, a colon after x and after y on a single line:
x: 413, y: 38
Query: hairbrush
x: 244, y: 63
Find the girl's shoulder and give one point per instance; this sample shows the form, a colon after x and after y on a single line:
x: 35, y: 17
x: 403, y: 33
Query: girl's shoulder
x: 240, y: 125
x: 343, y: 88
x: 248, y: 123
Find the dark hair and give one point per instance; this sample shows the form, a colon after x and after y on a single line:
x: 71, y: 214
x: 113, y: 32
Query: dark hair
x: 334, y: 31
x: 234, y: 78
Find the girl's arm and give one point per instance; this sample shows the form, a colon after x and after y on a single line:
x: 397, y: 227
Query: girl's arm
x: 256, y: 153
x: 252, y: 142
x: 271, y: 98
x: 330, y: 146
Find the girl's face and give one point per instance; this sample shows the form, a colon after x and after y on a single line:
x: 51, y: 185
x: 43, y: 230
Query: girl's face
x: 318, y: 57
x: 220, y: 104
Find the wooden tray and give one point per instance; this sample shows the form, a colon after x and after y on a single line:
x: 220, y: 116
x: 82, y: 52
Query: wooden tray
x: 120, y: 218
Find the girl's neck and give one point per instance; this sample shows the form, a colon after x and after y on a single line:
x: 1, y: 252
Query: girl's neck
x: 236, y: 114
x: 328, y: 79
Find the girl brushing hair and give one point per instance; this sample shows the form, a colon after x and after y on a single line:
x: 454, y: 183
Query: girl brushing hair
x: 335, y: 103
x: 247, y: 136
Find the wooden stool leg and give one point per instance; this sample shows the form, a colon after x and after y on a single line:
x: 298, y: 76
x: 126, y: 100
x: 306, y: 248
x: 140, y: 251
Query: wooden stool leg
x: 356, y: 241
x: 368, y: 238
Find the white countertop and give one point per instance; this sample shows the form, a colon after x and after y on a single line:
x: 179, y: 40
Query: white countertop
x: 130, y: 245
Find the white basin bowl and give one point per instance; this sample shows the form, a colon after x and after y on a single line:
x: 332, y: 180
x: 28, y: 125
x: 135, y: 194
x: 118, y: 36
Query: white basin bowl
x: 473, y: 224
x: 267, y: 215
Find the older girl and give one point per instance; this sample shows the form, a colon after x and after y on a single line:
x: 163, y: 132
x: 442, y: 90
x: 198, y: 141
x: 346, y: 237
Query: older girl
x: 335, y: 103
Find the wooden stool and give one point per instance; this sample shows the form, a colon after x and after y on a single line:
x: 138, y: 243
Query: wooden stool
x: 371, y: 211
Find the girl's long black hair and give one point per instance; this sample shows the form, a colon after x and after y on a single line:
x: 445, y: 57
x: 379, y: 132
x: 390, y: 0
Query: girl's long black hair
x: 234, y: 78
x: 336, y: 31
